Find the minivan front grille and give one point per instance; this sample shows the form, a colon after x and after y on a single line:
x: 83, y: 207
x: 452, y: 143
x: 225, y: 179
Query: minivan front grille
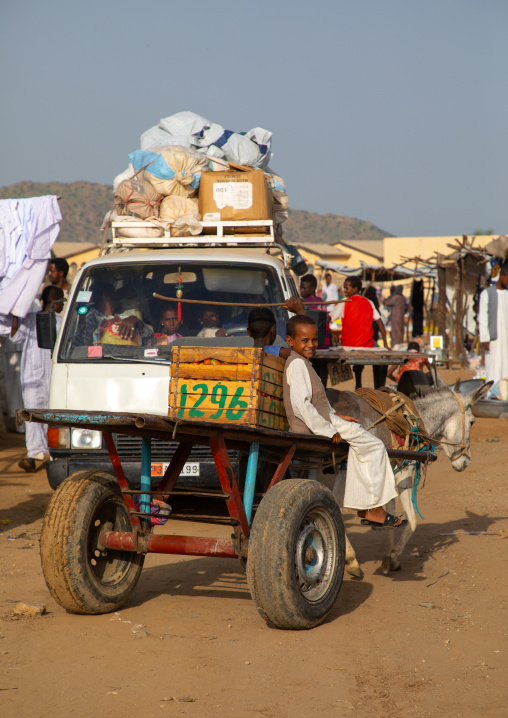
x: 129, y: 447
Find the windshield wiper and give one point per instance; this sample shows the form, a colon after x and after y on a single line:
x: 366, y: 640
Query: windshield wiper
x: 136, y: 361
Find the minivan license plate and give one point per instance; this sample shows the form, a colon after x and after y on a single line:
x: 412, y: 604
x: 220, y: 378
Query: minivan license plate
x: 191, y: 468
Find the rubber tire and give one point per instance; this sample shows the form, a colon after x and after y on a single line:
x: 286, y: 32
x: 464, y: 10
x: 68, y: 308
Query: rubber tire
x: 273, y: 542
x: 67, y: 546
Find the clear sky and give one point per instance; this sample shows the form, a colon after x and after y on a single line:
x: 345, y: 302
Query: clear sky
x: 393, y: 111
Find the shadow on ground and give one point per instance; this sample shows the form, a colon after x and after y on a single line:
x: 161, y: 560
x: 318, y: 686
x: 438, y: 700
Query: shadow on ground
x: 222, y: 578
x: 428, y: 540
x: 24, y: 513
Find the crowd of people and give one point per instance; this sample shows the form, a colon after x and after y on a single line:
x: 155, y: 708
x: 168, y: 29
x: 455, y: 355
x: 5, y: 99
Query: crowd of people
x: 358, y: 319
x: 370, y: 483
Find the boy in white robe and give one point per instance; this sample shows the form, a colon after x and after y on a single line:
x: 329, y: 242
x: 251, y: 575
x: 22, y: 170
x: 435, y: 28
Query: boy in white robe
x: 35, y: 378
x: 370, y: 483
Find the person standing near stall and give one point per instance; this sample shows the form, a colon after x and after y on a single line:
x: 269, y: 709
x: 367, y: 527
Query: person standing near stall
x: 357, y: 316
x: 493, y: 325
x: 329, y: 291
x: 308, y: 289
x: 397, y: 303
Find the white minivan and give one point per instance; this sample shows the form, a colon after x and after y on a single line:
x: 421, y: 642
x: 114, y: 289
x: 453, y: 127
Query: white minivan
x: 110, y: 355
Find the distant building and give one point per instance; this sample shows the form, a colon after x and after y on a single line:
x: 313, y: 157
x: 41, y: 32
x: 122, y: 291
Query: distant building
x: 368, y: 251
x: 314, y: 251
x: 396, y: 249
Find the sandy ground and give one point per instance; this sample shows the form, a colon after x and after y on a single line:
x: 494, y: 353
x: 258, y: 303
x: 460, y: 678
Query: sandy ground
x: 430, y: 640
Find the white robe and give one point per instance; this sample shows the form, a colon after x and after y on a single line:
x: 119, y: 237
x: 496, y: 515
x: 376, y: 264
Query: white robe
x: 35, y: 378
x: 329, y: 293
x: 496, y: 358
x: 28, y: 229
x: 369, y: 479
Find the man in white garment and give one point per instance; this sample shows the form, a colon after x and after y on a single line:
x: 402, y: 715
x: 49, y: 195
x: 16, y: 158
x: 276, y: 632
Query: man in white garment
x: 493, y: 325
x: 329, y: 291
x: 370, y: 483
x: 35, y: 377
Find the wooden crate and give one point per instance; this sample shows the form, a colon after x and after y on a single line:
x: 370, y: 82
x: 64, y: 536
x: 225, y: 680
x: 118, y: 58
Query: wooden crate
x: 244, y: 388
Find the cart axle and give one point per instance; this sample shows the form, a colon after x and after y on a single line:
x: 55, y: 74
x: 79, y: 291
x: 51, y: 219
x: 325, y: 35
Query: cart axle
x: 183, y: 545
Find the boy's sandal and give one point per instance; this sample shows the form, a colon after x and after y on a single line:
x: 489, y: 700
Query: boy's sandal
x: 390, y: 522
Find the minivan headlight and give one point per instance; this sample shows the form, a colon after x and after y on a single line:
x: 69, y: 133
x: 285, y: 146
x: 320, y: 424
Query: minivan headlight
x: 86, y: 439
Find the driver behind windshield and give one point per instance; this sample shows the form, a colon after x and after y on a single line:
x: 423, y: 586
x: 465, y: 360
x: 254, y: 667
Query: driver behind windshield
x: 106, y: 323
x: 170, y: 326
x: 208, y: 317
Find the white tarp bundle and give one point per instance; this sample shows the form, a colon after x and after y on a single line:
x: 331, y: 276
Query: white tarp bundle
x: 187, y: 129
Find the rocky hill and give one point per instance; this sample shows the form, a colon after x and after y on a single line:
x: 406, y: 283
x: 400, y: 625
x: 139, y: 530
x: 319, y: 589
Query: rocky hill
x: 84, y: 205
x: 305, y: 226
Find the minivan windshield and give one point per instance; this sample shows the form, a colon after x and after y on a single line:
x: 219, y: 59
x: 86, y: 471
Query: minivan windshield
x: 114, y: 313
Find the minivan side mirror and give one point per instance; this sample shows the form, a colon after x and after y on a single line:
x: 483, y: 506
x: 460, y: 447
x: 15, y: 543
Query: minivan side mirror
x: 46, y: 329
x: 298, y: 264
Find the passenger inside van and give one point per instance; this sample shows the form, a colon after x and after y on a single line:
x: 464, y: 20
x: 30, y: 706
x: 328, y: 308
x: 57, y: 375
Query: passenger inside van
x: 170, y: 326
x: 208, y: 317
x: 107, y: 323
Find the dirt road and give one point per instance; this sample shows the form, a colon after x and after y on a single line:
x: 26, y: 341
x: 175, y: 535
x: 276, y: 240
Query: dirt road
x: 430, y: 640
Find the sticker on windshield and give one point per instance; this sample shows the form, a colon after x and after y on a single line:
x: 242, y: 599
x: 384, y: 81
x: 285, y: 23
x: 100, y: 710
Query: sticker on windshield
x: 95, y: 351
x: 84, y: 296
x: 151, y: 352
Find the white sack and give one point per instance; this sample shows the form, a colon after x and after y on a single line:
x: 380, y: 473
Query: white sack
x: 137, y: 197
x: 171, y: 170
x: 183, y: 213
x: 141, y: 230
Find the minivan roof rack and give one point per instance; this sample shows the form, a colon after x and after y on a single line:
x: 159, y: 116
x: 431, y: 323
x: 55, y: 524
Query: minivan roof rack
x: 252, y: 233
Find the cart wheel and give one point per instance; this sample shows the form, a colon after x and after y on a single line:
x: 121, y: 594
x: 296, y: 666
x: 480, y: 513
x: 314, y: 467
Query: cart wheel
x: 81, y: 577
x: 296, y: 554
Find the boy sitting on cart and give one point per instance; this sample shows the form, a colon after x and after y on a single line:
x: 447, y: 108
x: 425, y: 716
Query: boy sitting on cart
x: 370, y: 483
x: 262, y: 327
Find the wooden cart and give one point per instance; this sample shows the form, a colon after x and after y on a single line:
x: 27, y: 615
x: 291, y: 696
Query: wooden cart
x: 94, y: 538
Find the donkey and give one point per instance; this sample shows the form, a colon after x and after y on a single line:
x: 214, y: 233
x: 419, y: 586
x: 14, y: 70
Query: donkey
x: 448, y: 419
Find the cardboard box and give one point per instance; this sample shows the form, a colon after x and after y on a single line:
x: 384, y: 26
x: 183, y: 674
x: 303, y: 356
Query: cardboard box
x: 235, y: 196
x: 244, y: 387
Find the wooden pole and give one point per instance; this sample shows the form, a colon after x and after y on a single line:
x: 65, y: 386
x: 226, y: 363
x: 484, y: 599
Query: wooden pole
x: 411, y: 299
x: 461, y: 310
x: 431, y: 313
x: 441, y: 302
x: 245, y: 304
x: 458, y: 313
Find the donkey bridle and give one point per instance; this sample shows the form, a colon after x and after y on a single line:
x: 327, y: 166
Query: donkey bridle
x: 464, y: 448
